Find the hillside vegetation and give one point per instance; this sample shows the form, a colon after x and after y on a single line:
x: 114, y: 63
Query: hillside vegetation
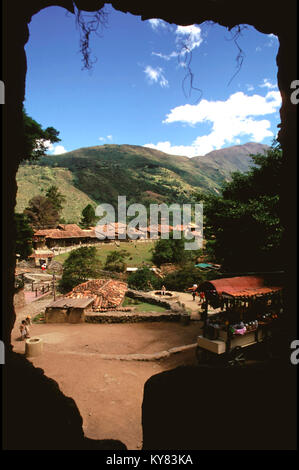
x: 102, y: 173
x: 33, y: 180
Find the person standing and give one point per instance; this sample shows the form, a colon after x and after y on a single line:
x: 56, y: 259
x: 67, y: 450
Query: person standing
x: 24, y: 330
x: 194, y: 289
x: 202, y: 297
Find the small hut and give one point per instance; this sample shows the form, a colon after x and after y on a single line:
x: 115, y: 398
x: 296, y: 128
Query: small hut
x: 98, y: 295
x: 68, y: 310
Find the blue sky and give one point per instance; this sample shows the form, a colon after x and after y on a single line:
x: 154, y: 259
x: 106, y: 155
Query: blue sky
x: 136, y: 93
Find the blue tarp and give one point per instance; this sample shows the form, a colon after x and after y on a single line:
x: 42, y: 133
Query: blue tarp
x: 203, y: 265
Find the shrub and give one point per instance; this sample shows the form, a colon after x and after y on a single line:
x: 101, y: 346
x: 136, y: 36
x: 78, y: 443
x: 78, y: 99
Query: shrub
x: 144, y: 279
x: 80, y: 265
x: 183, y: 278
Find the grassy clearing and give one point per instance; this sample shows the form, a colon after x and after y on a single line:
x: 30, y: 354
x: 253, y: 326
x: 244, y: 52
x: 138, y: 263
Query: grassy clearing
x: 138, y: 253
x: 39, y: 318
x: 142, y: 306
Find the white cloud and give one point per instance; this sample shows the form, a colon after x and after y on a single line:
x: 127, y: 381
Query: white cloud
x: 166, y: 56
x: 272, y: 40
x: 189, y: 36
x: 229, y: 119
x: 54, y: 149
x: 156, y: 75
x: 249, y: 87
x: 157, y: 23
x: 237, y: 106
x: 108, y: 137
x: 58, y: 150
x: 267, y: 84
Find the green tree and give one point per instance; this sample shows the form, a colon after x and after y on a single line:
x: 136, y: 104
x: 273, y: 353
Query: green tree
x: 115, y: 261
x: 88, y: 217
x: 144, y: 279
x: 242, y: 225
x: 170, y: 251
x: 41, y: 213
x: 80, y: 266
x: 56, y: 198
x: 36, y: 139
x: 24, y: 234
x: 186, y: 276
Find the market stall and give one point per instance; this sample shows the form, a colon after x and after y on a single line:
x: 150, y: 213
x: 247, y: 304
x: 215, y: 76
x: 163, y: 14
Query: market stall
x: 247, y: 307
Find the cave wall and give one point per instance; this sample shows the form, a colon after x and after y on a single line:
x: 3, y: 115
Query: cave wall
x: 268, y: 17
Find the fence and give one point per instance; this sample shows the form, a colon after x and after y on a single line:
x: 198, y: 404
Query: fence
x: 40, y: 289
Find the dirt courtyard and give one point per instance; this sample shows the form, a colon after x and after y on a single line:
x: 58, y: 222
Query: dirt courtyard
x: 108, y: 392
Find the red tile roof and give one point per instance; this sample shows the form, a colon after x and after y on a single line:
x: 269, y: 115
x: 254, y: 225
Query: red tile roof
x: 65, y: 231
x: 161, y: 228
x: 107, y: 293
x: 112, y: 229
x: 241, y: 286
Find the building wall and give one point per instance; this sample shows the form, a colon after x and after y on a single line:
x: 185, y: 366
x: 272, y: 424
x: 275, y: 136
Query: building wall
x: 64, y: 315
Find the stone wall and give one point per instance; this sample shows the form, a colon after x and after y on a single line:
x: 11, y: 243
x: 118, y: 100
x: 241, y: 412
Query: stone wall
x: 174, y: 306
x: 64, y: 315
x: 120, y: 317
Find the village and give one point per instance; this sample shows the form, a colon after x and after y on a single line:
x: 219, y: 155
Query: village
x: 131, y: 333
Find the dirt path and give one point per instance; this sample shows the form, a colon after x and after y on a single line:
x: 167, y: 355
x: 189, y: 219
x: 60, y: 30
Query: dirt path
x: 33, y: 308
x: 109, y: 392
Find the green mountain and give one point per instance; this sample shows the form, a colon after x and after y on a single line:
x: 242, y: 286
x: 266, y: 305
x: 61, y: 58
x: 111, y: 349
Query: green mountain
x: 100, y: 174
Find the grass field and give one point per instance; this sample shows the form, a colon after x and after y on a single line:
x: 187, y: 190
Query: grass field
x: 142, y: 306
x: 138, y: 253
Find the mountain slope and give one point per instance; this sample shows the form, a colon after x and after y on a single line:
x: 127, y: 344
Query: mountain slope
x: 231, y: 158
x: 99, y: 174
x: 34, y: 180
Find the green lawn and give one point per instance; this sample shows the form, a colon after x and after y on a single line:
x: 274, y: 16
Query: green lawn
x: 141, y: 253
x: 142, y: 306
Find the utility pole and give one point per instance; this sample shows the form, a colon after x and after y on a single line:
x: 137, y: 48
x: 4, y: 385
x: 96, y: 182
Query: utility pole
x: 54, y: 289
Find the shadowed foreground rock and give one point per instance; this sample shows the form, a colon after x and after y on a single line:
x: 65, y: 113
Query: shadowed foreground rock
x: 197, y: 408
x: 38, y: 416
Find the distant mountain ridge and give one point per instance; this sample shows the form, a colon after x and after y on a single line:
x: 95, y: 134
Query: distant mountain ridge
x: 102, y: 173
x: 230, y: 158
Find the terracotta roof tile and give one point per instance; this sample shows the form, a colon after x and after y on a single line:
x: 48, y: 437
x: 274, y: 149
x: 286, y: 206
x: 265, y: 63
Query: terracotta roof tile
x: 107, y: 293
x: 240, y: 286
x: 65, y: 231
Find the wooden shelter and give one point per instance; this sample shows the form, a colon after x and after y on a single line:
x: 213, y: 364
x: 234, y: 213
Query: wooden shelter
x: 68, y: 310
x: 248, y: 308
x: 62, y: 236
